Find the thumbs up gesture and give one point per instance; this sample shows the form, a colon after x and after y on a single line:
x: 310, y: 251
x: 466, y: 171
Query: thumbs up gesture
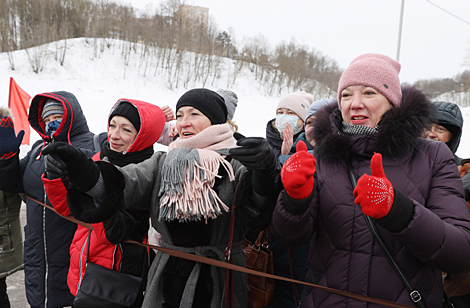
x: 297, y: 173
x: 375, y: 193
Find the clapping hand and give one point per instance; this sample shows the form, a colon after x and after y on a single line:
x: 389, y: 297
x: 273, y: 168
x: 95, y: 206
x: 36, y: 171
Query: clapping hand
x: 288, y: 139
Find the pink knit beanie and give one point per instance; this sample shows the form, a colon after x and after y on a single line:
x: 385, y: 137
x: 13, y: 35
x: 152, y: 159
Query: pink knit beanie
x: 376, y: 71
x: 297, y: 102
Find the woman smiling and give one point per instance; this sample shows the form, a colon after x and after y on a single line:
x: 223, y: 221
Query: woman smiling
x: 407, y: 187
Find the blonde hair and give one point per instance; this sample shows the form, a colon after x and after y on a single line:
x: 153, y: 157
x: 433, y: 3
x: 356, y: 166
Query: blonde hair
x: 232, y: 124
x: 5, y: 111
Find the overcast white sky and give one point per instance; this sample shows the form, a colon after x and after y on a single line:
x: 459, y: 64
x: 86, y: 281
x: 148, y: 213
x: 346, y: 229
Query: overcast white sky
x: 433, y: 45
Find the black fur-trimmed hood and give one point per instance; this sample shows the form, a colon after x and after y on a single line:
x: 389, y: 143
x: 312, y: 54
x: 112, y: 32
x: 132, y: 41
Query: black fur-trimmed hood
x: 400, y: 130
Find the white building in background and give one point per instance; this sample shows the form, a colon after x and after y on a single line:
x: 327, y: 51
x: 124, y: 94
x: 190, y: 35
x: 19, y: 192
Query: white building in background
x: 195, y: 14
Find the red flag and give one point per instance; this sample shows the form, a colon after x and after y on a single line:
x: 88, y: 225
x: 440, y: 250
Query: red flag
x: 18, y: 102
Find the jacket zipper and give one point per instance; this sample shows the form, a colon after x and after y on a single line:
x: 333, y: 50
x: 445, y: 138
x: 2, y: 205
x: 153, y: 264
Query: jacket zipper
x: 81, y: 264
x: 45, y: 248
x: 9, y: 226
x: 9, y: 236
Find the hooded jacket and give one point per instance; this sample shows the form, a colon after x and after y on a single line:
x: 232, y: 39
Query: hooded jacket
x: 105, y: 247
x: 47, y: 235
x: 427, y: 230
x: 450, y: 116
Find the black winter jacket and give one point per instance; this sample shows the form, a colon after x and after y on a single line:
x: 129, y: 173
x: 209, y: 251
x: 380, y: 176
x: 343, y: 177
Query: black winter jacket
x: 47, y: 235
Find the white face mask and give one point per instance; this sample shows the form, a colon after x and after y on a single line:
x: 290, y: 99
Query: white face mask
x: 283, y: 119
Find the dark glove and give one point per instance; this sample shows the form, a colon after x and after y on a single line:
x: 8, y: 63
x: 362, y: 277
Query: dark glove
x: 256, y: 155
x: 9, y: 142
x: 55, y: 167
x: 81, y: 170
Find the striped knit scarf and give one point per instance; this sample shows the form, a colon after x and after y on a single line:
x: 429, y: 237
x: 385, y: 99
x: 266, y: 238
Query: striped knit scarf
x: 188, y: 175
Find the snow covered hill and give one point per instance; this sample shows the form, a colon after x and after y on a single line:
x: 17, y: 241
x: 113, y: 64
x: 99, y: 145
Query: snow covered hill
x: 98, y: 82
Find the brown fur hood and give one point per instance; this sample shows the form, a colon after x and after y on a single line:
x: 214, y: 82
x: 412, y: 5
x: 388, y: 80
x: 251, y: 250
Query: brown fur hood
x: 400, y: 128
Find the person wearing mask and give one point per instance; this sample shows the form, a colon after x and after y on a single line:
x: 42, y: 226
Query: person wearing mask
x: 55, y: 116
x: 190, y: 191
x: 407, y: 186
x: 285, y: 296
x: 133, y: 127
x: 290, y: 114
x: 11, y: 240
x: 307, y: 135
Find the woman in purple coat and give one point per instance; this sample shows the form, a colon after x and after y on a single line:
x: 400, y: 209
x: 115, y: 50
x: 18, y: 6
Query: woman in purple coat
x: 408, y: 185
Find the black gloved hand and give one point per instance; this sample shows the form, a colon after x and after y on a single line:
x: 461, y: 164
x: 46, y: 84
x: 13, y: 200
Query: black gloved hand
x: 81, y: 170
x: 55, y: 167
x: 256, y: 155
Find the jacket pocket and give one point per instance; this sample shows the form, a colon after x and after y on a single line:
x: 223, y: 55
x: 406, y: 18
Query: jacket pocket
x: 5, y: 239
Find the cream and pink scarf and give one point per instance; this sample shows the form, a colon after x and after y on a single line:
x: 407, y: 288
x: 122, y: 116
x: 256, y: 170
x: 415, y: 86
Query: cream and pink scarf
x: 188, y: 175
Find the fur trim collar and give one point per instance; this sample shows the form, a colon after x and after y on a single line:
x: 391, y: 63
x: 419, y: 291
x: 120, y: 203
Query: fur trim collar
x: 400, y: 130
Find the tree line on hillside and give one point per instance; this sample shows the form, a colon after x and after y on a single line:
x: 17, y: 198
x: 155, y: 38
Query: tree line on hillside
x: 170, y: 41
x: 164, y: 41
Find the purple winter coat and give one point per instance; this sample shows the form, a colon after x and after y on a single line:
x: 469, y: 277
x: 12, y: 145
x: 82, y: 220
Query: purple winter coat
x: 427, y: 230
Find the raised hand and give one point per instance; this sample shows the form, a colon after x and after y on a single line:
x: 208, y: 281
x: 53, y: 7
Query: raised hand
x: 288, y: 139
x: 297, y: 173
x: 9, y: 142
x: 254, y: 153
x: 375, y: 193
x: 81, y: 170
x: 55, y: 167
x: 169, y: 114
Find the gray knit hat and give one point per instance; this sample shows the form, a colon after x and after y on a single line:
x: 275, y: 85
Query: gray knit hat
x: 52, y: 107
x: 231, y: 101
x: 317, y: 105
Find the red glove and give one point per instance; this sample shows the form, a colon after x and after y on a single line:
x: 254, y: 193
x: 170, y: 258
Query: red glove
x: 375, y: 193
x: 297, y: 173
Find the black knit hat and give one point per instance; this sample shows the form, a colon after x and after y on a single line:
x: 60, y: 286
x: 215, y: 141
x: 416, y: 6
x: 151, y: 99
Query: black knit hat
x: 128, y: 111
x: 211, y: 104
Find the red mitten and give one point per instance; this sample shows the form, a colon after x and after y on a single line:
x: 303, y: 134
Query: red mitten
x: 297, y: 173
x: 375, y: 193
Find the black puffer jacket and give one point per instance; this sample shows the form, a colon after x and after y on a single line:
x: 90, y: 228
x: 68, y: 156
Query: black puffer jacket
x: 47, y: 235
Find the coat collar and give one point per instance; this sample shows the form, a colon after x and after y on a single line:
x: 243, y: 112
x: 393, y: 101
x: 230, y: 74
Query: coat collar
x: 400, y: 130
